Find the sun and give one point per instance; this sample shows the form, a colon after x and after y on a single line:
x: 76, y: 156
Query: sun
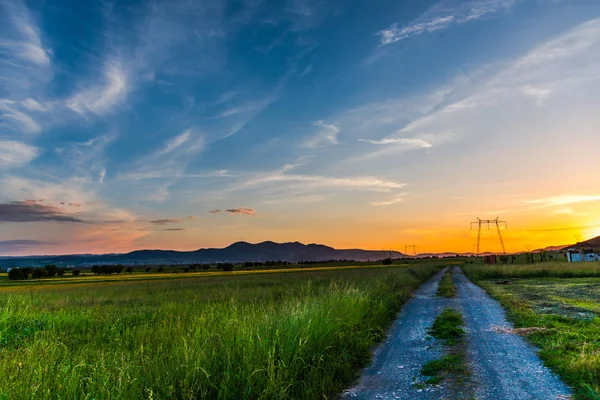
x: 590, y: 233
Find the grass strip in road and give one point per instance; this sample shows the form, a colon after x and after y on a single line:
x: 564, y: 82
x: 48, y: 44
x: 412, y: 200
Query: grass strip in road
x: 448, y: 327
x: 446, y: 287
x: 437, y: 370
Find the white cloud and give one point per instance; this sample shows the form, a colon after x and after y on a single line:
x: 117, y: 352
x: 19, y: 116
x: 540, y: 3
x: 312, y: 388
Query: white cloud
x: 369, y: 183
x: 170, y: 161
x: 33, y: 105
x: 327, y: 134
x: 563, y: 200
x: 394, y: 200
x: 443, y: 15
x: 101, y: 98
x: 408, y: 142
x: 538, y: 94
x: 14, y: 153
x: 17, y: 119
x: 177, y: 141
x: 22, y: 42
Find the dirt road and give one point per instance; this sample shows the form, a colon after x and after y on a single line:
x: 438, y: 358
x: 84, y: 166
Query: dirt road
x: 502, y: 365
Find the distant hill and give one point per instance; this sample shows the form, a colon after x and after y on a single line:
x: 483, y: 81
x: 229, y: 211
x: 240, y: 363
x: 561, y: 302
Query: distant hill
x: 594, y: 242
x: 237, y: 252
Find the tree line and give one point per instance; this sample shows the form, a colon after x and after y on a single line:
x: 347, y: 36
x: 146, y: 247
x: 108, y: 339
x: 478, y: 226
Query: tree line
x: 48, y: 271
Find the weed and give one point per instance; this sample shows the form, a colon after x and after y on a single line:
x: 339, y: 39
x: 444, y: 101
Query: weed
x: 446, y: 287
x: 448, y: 327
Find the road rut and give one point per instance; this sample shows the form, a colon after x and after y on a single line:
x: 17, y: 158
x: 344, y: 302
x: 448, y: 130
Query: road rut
x: 503, y: 366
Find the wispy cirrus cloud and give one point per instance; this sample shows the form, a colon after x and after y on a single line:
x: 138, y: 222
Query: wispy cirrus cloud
x: 408, y: 142
x: 15, y: 118
x: 327, y: 134
x: 23, y: 41
x: 101, y: 97
x: 170, y: 160
x: 563, y: 200
x: 13, y: 153
x: 443, y: 15
x: 394, y: 200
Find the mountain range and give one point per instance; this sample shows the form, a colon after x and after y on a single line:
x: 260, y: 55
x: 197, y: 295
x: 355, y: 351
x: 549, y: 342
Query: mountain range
x: 237, y: 252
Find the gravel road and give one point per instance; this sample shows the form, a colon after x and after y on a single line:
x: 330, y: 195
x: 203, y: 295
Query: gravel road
x: 503, y: 366
x: 408, y: 346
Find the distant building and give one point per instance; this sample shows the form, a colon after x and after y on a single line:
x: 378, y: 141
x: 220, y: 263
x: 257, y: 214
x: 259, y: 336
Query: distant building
x: 581, y: 255
x: 489, y: 259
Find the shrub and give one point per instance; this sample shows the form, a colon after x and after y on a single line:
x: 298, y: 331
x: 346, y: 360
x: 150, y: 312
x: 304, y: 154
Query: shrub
x: 75, y: 272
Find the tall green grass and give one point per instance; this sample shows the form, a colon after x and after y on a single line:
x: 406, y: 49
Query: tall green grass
x: 539, y: 270
x: 285, y: 336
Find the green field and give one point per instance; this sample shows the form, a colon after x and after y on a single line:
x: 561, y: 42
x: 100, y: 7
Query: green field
x: 298, y: 334
x: 561, y: 302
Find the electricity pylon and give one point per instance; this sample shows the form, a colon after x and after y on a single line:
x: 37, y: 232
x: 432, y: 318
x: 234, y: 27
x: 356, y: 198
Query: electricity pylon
x: 496, y: 222
x: 414, y: 248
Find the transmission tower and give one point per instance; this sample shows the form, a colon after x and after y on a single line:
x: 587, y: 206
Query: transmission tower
x: 488, y: 222
x: 412, y: 247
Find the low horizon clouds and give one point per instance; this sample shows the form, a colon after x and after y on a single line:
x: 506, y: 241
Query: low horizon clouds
x: 30, y: 211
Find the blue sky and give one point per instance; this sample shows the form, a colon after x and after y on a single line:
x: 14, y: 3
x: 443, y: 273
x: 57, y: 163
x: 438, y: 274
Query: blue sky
x: 179, y: 124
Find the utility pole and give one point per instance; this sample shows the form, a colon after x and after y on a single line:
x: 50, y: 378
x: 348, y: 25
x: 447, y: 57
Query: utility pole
x: 497, y: 222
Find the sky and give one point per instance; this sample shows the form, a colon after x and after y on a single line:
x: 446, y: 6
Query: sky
x: 188, y: 124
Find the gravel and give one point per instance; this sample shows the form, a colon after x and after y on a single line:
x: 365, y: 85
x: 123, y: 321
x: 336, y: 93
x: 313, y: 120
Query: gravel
x: 397, y: 362
x: 503, y: 366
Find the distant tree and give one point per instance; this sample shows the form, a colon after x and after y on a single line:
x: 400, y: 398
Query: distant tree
x: 227, y: 267
x: 75, y: 272
x: 186, y: 269
x: 160, y: 269
x: 60, y: 272
x: 503, y: 259
x: 248, y: 265
x: 96, y: 269
x: 39, y: 273
x: 193, y: 267
x: 148, y: 269
x: 17, y: 274
x: 387, y: 261
x: 205, y: 266
x: 51, y: 270
x: 129, y: 270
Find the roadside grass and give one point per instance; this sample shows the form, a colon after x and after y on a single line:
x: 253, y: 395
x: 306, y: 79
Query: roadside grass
x: 295, y: 335
x: 557, y: 269
x: 446, y: 286
x: 568, y: 312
